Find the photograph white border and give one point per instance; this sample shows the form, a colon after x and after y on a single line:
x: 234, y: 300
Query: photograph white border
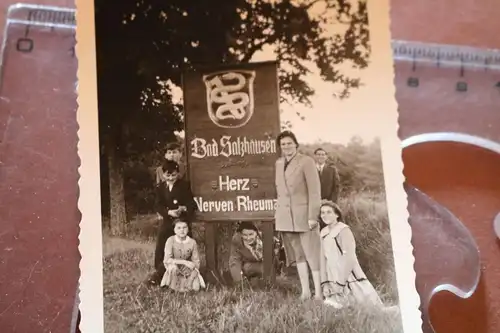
x: 382, y: 91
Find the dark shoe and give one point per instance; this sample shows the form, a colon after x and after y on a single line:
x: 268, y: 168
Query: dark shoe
x: 154, y: 279
x: 257, y: 282
x: 226, y: 278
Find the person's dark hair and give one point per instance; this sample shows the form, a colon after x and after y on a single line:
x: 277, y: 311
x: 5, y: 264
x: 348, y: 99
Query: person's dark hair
x: 170, y: 166
x: 179, y: 220
x: 336, y: 209
x: 173, y: 146
x: 319, y: 149
x: 246, y: 225
x: 286, y: 134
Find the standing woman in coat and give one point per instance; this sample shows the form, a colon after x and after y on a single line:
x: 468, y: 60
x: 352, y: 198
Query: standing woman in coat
x: 299, y: 198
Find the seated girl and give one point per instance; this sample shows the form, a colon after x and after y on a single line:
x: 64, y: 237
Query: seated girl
x: 342, y: 279
x: 246, y: 253
x: 182, y: 261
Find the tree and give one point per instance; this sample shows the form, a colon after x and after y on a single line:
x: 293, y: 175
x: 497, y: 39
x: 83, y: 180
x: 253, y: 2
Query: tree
x: 143, y: 46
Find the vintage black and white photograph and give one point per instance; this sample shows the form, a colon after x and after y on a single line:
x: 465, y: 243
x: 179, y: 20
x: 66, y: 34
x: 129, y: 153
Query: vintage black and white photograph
x: 245, y: 170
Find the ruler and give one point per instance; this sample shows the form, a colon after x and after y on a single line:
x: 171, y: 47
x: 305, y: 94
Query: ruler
x: 444, y: 90
x: 445, y: 93
x: 441, y: 90
x: 38, y: 171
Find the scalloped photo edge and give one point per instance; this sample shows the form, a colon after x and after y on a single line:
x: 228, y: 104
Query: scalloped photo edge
x: 376, y: 109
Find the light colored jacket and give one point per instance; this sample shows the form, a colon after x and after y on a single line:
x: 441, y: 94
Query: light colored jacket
x: 298, y: 192
x: 340, y: 270
x: 339, y: 263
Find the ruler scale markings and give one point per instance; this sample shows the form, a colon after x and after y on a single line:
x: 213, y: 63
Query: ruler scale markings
x: 448, y: 55
x: 38, y: 137
x: 458, y: 90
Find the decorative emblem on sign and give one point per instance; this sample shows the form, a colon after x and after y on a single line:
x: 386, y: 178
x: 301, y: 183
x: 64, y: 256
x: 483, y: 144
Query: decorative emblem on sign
x: 230, y: 97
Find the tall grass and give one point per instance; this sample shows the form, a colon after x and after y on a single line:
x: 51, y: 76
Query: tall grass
x: 366, y: 214
x: 131, y: 307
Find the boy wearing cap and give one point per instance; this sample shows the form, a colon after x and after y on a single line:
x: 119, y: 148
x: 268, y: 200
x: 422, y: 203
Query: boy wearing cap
x: 173, y: 152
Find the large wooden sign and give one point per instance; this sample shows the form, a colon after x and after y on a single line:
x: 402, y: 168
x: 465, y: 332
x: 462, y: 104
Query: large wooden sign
x: 231, y: 125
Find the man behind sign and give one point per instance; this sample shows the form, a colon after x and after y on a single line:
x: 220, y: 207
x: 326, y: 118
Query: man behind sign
x: 328, y: 175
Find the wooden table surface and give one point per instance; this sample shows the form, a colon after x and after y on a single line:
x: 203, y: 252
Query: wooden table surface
x: 459, y: 177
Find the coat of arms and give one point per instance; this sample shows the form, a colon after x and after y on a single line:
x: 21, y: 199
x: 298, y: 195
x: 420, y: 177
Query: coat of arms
x: 230, y: 97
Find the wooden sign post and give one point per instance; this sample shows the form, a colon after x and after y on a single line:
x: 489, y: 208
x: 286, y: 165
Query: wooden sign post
x: 231, y: 125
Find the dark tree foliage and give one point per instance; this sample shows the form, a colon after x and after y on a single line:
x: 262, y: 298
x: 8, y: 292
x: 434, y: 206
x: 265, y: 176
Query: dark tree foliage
x: 141, y: 44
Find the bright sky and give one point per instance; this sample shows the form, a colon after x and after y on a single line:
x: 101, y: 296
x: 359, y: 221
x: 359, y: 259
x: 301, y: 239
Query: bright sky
x: 329, y: 119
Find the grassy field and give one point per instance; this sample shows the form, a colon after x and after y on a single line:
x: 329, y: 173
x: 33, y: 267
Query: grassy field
x: 132, y: 307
